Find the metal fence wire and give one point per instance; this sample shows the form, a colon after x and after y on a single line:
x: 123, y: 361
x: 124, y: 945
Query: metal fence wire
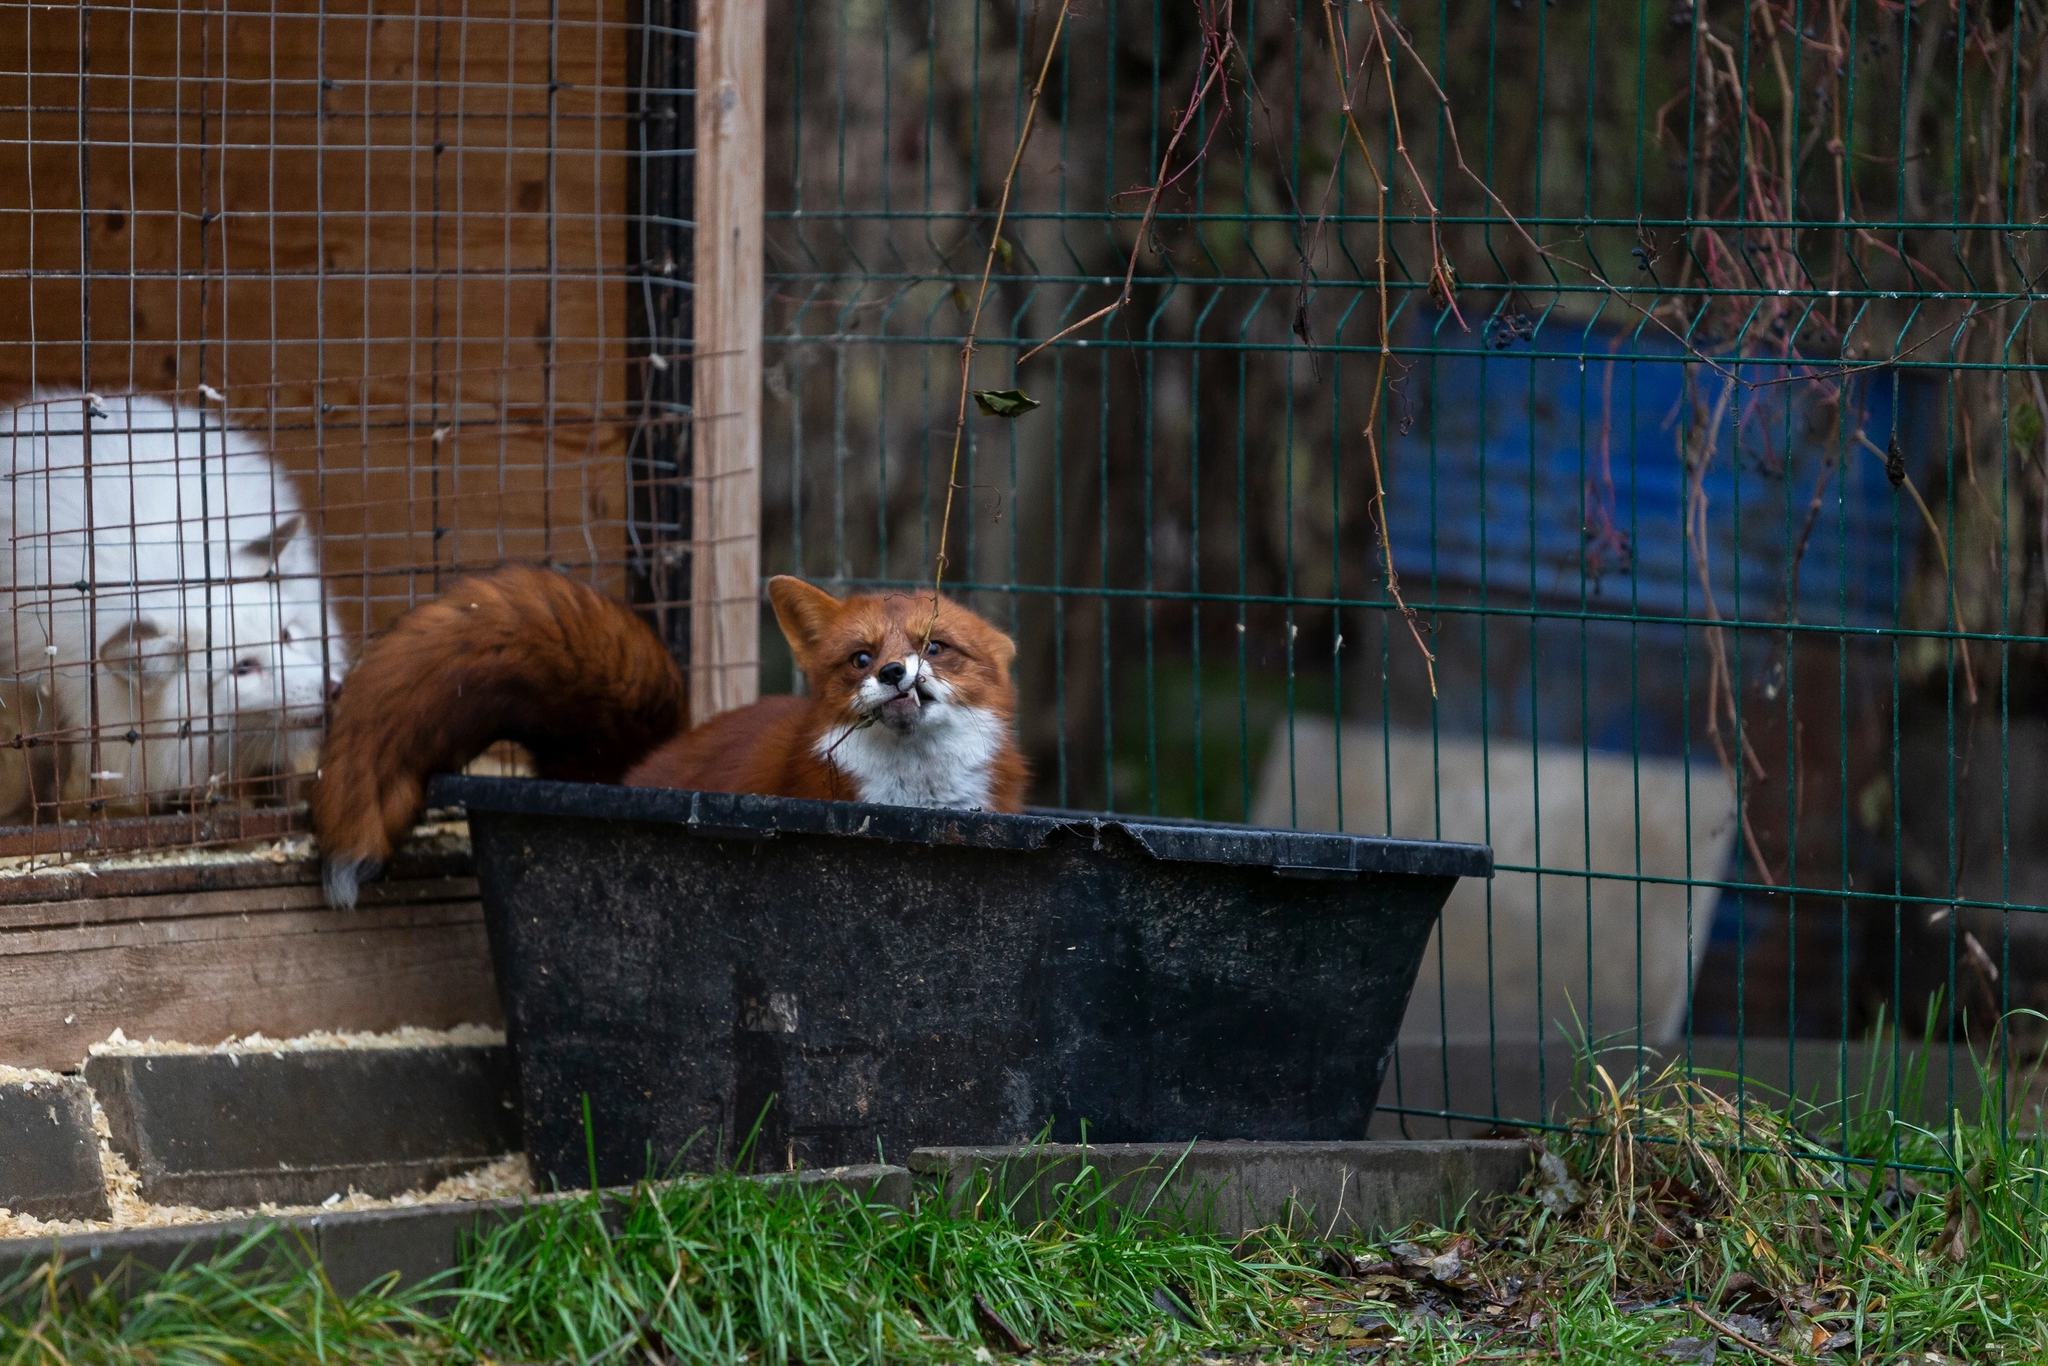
x: 1612, y: 432
x: 1609, y: 431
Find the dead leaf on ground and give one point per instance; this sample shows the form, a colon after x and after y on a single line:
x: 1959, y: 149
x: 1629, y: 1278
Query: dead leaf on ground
x: 1556, y: 1188
x: 1959, y: 1228
x: 1954, y: 1242
x: 1450, y: 1272
x: 1671, y: 1193
x: 1744, y: 1291
x: 1170, y: 1304
x: 1337, y: 1262
x: 1507, y: 1292
x: 1750, y: 1326
x: 997, y: 1330
x: 1355, y: 1331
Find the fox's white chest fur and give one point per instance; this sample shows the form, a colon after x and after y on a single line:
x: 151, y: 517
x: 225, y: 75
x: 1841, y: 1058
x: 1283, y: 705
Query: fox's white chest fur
x: 945, y: 761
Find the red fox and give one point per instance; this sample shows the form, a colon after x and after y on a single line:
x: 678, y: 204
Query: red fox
x: 908, y: 705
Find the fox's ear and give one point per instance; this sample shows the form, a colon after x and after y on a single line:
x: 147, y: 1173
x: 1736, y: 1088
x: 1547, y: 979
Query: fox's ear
x: 1003, y: 652
x: 802, y: 611
x: 141, y: 649
x: 977, y: 632
x: 270, y: 548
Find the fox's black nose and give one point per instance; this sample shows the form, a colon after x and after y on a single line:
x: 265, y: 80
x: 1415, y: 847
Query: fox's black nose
x: 892, y: 674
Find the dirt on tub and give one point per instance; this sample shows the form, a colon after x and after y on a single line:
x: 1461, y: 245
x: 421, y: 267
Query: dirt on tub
x: 505, y: 1178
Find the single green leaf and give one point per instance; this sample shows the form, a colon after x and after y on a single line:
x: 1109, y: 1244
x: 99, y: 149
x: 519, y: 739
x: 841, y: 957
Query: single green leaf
x: 961, y: 301
x: 1004, y: 402
x: 2026, y: 426
x: 1003, y: 250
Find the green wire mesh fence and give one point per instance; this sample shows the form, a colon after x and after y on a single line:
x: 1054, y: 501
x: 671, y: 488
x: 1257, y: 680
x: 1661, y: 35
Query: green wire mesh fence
x: 1607, y: 430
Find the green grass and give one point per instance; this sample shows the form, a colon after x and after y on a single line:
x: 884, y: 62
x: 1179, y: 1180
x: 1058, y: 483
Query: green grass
x: 714, y: 1269
x: 211, y: 1312
x: 706, y: 1270
x: 1684, y: 1218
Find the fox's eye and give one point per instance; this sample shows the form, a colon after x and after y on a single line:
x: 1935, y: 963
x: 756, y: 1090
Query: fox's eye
x: 934, y: 648
x: 861, y: 659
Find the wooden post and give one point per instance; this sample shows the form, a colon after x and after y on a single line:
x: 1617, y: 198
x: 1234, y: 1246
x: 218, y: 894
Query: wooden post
x: 726, y: 488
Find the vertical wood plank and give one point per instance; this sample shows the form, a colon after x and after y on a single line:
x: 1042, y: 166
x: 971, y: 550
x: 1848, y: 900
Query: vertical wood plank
x: 726, y: 498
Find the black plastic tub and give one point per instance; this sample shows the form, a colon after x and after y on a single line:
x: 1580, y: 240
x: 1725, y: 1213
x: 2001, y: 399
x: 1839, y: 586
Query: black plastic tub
x: 892, y: 976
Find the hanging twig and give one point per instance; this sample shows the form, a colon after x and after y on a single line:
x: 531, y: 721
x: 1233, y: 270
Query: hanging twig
x: 1721, y: 690
x: 1905, y: 481
x: 988, y: 266
x: 1218, y: 43
x: 1381, y: 188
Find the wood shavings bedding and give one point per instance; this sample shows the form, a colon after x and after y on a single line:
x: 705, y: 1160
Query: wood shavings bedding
x: 468, y: 1035
x: 440, y: 832
x: 286, y: 849
x: 25, y: 1076
x: 507, y: 1178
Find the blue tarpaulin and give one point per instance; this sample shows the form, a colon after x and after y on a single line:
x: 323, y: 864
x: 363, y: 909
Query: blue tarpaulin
x: 1567, y: 479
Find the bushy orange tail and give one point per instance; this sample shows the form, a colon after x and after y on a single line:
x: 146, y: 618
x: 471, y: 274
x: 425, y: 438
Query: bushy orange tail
x: 518, y: 654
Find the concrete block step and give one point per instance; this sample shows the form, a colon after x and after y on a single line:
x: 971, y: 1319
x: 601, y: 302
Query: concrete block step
x: 1231, y: 1188
x: 242, y: 1128
x: 49, y: 1154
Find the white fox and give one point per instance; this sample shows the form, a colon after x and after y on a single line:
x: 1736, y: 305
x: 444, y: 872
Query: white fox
x: 179, y: 605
